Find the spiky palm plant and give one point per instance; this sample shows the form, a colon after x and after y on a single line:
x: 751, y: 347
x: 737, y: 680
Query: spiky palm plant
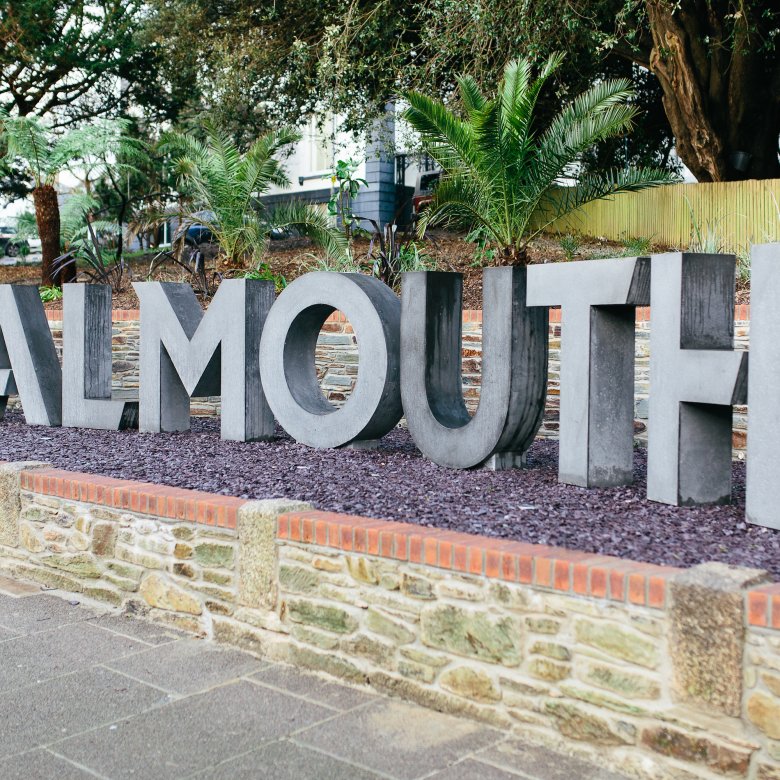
x: 501, y: 170
x: 223, y: 185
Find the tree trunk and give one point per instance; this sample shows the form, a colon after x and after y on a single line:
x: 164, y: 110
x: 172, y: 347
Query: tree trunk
x: 47, y: 216
x: 721, y: 92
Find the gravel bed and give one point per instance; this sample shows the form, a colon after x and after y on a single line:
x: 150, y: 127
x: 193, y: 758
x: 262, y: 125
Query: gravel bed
x: 396, y: 482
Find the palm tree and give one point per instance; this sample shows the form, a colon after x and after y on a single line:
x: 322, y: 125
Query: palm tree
x: 44, y: 156
x: 223, y: 185
x: 501, y: 171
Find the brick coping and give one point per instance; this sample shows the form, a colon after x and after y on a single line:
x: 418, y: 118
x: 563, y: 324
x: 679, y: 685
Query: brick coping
x: 741, y: 314
x: 552, y: 568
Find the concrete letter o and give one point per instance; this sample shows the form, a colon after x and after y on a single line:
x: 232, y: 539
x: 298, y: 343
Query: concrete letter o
x: 287, y: 364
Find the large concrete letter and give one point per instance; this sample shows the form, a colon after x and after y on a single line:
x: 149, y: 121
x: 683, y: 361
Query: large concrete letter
x: 186, y: 353
x: 763, y: 445
x: 287, y: 359
x: 514, y: 369
x: 28, y: 359
x: 86, y: 361
x: 597, y: 299
x: 695, y: 378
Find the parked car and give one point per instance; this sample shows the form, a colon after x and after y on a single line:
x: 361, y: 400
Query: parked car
x: 423, y: 191
x: 197, y: 234
x: 11, y: 245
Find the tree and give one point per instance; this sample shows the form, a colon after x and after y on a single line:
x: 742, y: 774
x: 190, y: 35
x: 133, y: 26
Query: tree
x: 64, y: 57
x: 29, y: 143
x: 42, y: 156
x: 224, y: 184
x: 714, y: 62
x: 500, y: 173
x: 108, y: 154
x: 717, y: 64
x: 709, y: 67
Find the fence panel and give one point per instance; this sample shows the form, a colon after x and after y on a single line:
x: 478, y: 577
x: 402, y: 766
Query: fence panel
x: 739, y: 212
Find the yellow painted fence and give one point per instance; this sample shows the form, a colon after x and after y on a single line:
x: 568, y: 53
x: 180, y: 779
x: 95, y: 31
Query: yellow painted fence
x: 736, y: 213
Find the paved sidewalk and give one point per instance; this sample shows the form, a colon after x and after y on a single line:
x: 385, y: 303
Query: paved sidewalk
x: 86, y: 692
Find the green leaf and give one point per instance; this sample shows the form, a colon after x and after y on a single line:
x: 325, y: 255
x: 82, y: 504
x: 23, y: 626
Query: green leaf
x: 501, y: 171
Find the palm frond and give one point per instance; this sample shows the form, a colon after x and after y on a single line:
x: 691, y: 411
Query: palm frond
x: 471, y: 95
x: 26, y: 139
x: 459, y: 203
x: 448, y: 139
x: 311, y: 222
x: 499, y: 174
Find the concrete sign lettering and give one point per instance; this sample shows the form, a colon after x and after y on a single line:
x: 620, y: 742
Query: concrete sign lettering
x: 696, y: 377
x: 28, y: 359
x: 258, y: 354
x: 597, y: 300
x: 86, y: 361
x: 514, y: 369
x: 287, y: 359
x: 185, y: 353
x: 762, y: 502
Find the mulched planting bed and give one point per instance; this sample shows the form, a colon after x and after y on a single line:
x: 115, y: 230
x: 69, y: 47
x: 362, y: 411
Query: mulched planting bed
x: 293, y: 257
x: 396, y: 482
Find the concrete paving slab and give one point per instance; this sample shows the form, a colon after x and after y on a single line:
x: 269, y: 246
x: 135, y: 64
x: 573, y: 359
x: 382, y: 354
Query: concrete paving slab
x: 331, y: 694
x: 187, y: 666
x: 42, y: 714
x: 40, y: 613
x: 285, y: 760
x: 6, y: 633
x: 476, y: 770
x: 398, y: 739
x: 535, y: 762
x: 35, y: 658
x: 192, y: 734
x: 256, y: 720
x: 40, y: 764
x: 135, y: 628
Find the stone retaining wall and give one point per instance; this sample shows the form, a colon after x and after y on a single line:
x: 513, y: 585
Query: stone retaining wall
x: 337, y: 365
x: 662, y: 673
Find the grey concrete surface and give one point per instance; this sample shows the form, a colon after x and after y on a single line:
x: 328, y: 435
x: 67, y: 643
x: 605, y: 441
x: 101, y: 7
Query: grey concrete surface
x: 597, y: 300
x: 186, y: 352
x: 763, y: 465
x: 88, y: 693
x: 28, y: 359
x: 86, y: 361
x: 514, y: 369
x: 288, y: 368
x: 696, y: 377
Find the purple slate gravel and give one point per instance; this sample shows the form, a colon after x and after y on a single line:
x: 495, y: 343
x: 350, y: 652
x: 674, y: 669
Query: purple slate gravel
x: 396, y: 482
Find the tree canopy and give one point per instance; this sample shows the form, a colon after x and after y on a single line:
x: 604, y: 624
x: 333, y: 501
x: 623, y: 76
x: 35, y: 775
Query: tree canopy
x: 706, y: 71
x: 57, y: 57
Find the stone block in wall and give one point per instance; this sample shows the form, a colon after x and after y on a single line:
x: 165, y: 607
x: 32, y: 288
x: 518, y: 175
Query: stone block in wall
x: 161, y: 593
x: 257, y: 554
x: 472, y: 633
x: 708, y: 601
x: 764, y: 712
x: 702, y: 749
x: 768, y: 772
x: 10, y: 499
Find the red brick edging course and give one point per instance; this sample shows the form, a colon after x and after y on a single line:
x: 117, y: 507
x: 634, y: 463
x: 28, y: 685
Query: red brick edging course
x: 193, y: 506
x: 555, y: 568
x: 741, y: 314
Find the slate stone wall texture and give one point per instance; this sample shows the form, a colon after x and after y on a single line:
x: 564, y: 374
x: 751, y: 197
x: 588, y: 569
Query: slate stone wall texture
x: 661, y: 673
x: 337, y: 365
